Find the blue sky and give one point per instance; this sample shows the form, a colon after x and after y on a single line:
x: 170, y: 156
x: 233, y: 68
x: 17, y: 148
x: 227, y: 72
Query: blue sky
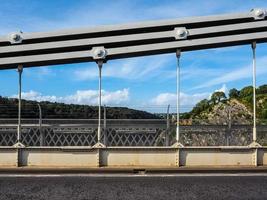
x: 143, y: 83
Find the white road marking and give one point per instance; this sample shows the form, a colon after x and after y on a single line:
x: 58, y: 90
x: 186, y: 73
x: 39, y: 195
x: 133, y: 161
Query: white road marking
x: 137, y: 175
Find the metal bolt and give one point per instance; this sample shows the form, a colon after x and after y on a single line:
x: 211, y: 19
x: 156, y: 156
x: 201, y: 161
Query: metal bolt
x: 15, y: 38
x: 181, y: 33
x: 99, y: 52
x: 259, y: 13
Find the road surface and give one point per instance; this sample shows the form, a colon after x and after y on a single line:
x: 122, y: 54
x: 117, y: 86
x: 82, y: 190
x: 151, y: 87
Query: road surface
x: 133, y: 187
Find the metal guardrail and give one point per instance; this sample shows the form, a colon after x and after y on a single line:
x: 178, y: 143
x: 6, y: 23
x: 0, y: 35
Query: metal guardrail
x: 116, y: 133
x: 125, y: 133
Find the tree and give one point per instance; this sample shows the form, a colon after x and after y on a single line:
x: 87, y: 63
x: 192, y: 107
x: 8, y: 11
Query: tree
x: 246, y: 92
x: 8, y: 109
x: 203, y: 104
x: 200, y: 106
x: 234, y: 93
x: 216, y: 97
x: 262, y: 89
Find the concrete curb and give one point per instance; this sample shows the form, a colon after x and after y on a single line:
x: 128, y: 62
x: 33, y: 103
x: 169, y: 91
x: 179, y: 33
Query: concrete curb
x: 136, y: 170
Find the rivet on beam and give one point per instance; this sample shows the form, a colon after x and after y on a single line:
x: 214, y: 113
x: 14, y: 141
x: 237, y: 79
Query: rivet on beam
x: 259, y: 13
x: 99, y: 53
x: 15, y: 38
x: 181, y: 33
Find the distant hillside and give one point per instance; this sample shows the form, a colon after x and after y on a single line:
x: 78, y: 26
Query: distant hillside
x: 239, y: 104
x: 9, y: 107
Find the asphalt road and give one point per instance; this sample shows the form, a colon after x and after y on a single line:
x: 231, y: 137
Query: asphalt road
x: 197, y: 186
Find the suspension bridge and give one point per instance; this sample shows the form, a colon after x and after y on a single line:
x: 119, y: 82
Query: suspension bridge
x: 143, y: 144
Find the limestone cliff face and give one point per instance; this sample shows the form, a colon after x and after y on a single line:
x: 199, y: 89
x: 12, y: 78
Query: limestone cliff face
x: 222, y: 113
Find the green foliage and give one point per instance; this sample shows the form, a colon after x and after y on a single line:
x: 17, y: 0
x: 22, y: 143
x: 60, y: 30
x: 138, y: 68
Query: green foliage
x: 264, y: 114
x: 246, y: 92
x: 9, y: 109
x: 200, y: 106
x: 262, y: 89
x: 185, y: 115
x: 216, y: 97
x: 233, y: 93
x: 244, y: 96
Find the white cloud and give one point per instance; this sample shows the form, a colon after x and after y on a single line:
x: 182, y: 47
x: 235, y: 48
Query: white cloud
x: 87, y: 97
x: 238, y: 74
x: 223, y: 89
x: 186, y: 100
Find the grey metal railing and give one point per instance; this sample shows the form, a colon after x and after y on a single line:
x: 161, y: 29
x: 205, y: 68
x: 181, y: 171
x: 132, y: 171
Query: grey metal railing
x: 125, y: 133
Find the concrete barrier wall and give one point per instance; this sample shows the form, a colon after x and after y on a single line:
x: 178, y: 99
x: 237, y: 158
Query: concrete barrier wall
x: 8, y: 157
x: 59, y: 157
x: 262, y: 157
x: 139, y: 157
x: 132, y: 157
x: 217, y: 157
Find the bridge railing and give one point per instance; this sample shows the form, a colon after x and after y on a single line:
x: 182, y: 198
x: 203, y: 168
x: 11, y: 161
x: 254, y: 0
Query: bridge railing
x: 59, y: 132
x: 84, y: 132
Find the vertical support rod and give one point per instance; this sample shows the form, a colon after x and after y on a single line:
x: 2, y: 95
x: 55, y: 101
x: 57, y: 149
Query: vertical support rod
x: 20, y: 70
x: 40, y: 125
x: 105, y: 125
x: 254, y: 91
x: 178, y: 55
x: 168, y: 126
x: 100, y: 64
x: 229, y: 126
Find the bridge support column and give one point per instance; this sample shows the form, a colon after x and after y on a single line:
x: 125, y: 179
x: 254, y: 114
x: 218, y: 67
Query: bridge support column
x: 254, y: 136
x: 100, y: 64
x: 19, y: 144
x: 100, y: 54
x: 255, y: 157
x: 178, y: 144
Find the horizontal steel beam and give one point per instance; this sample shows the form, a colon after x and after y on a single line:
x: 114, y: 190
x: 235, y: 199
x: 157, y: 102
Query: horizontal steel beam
x: 133, y: 51
x: 139, y: 39
x: 127, y: 40
x: 136, y: 27
x: 187, y: 45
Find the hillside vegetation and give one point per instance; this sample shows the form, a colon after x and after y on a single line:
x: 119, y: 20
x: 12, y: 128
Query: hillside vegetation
x: 237, y: 108
x: 219, y: 109
x: 9, y: 109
